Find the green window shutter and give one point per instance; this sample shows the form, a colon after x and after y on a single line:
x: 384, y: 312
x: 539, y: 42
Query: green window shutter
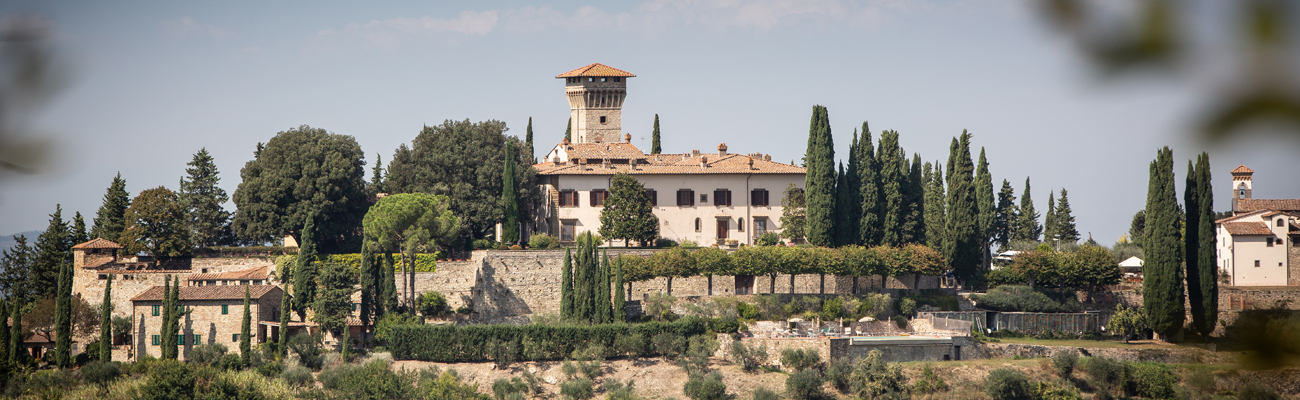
x: 234, y: 337
x: 155, y: 312
x: 225, y: 309
x: 198, y: 339
x: 155, y: 340
x: 180, y: 340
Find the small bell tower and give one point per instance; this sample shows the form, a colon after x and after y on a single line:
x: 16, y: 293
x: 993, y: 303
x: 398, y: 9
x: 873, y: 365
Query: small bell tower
x: 596, y: 94
x: 1241, y: 184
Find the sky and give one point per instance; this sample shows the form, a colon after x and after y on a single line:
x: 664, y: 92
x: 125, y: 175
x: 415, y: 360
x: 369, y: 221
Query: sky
x: 147, y: 84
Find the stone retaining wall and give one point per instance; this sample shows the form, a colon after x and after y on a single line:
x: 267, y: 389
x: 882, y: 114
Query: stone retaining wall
x: 1181, y: 355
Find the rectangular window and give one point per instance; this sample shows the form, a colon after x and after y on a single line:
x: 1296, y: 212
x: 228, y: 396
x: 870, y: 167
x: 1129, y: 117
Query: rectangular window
x: 155, y: 340
x: 180, y: 340
x: 598, y: 197
x: 758, y: 198
x: 155, y: 310
x: 1281, y: 222
x: 722, y: 197
x: 225, y: 309
x: 760, y: 227
x: 653, y: 196
x: 685, y: 197
x: 566, y: 230
x: 1256, y: 263
x: 234, y: 337
x: 568, y: 198
x: 197, y: 339
x: 1270, y: 242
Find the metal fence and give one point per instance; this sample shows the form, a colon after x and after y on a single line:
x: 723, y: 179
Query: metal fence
x: 1023, y: 321
x: 948, y: 324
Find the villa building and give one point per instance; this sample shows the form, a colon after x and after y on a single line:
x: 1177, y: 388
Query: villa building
x: 1256, y: 245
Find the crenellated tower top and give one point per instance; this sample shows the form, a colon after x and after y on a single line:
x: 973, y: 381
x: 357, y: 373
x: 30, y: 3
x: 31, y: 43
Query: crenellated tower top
x: 596, y: 94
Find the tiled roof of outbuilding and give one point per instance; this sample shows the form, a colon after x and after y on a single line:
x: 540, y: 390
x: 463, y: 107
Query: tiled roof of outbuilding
x: 248, y: 274
x: 621, y: 151
x: 1248, y: 205
x: 98, y: 243
x: 596, y: 69
x: 223, y: 292
x: 1247, y: 228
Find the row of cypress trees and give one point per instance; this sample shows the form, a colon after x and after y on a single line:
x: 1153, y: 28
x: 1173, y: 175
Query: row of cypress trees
x: 1179, y: 248
x: 586, y: 294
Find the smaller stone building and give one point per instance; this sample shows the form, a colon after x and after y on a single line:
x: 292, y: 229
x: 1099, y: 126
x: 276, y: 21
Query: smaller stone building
x: 215, y: 316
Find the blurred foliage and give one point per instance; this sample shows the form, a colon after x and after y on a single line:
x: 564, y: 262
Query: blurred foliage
x: 29, y: 78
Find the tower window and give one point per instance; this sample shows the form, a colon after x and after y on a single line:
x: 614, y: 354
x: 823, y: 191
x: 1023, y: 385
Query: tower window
x: 602, y: 119
x: 697, y: 224
x: 618, y: 79
x: 591, y: 79
x: 1281, y: 222
x: 602, y: 79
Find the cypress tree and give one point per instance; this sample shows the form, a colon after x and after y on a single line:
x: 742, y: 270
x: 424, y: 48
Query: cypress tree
x: 655, y: 147
x: 1050, y: 228
x: 389, y: 293
x: 566, y: 286
x: 282, y: 348
x: 246, y: 332
x: 1004, y: 217
x: 509, y: 198
x: 620, y: 304
x: 1065, y: 225
x: 110, y: 220
x: 568, y: 130
x: 53, y: 250
x: 106, y: 322
x: 346, y: 344
x: 581, y: 285
x: 1207, y: 274
x: 841, y: 216
x: 1162, y: 284
x: 892, y: 178
x: 368, y: 286
x: 819, y: 181
x: 603, y: 302
x: 63, y: 318
x: 850, y: 202
x: 963, y: 244
x: 914, y: 198
x: 166, y: 335
x: 377, y: 175
x: 936, y: 224
x: 304, y: 274
x: 986, y: 207
x: 869, y: 232
x: 1027, y: 227
x: 4, y: 333
x: 529, y: 151
x: 78, y: 232
x: 15, y: 332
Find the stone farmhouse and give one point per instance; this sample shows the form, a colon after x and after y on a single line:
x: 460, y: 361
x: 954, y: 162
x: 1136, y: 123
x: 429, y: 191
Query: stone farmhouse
x: 215, y: 315
x: 1256, y: 245
x: 710, y: 198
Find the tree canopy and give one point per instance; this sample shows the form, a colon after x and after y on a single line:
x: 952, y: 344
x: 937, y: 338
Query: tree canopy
x: 53, y: 250
x: 627, y: 214
x: 110, y: 219
x: 156, y: 224
x: 819, y: 180
x: 1162, y: 273
x: 301, y: 172
x: 209, y: 222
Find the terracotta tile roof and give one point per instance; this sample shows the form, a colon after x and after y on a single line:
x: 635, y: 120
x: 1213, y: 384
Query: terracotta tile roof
x: 98, y: 262
x: 1241, y: 169
x: 1247, y: 228
x: 596, y: 69
x: 222, y: 292
x: 620, y: 151
x: 98, y: 243
x: 248, y: 274
x: 1240, y: 216
x: 728, y: 164
x: 1247, y: 205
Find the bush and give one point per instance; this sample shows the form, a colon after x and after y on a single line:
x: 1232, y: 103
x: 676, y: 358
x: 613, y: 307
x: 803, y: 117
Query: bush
x: 768, y: 239
x: 307, y: 347
x: 705, y: 387
x: 169, y: 380
x: 633, y: 345
x: 838, y: 372
x: 875, y: 379
x: 1026, y: 299
x: 804, y: 385
x: 669, y: 345
x: 469, y: 343
x: 481, y: 244
x: 749, y: 358
x: 206, y: 354
x: 832, y: 309
x: 615, y: 390
x: 230, y: 362
x: 503, y: 388
x: 432, y: 304
x: 907, y: 307
x: 1008, y: 384
x: 1257, y: 391
x: 1202, y: 381
x: 578, y: 389
x: 698, y: 351
x: 1149, y: 380
x: 800, y: 359
x: 1106, y: 373
x: 1051, y: 391
x: 543, y: 241
x: 299, y: 376
x: 900, y: 321
x: 384, y: 328
x: 763, y: 393
x: 1005, y: 277
x: 747, y: 311
x: 100, y: 372
x: 273, y: 368
x: 1064, y: 363
x: 447, y: 385
x: 929, y: 382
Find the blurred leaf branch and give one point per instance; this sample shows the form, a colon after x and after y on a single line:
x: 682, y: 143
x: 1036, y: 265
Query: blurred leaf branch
x: 28, y: 80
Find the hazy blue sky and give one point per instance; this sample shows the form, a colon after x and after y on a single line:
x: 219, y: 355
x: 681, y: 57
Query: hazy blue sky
x: 151, y: 83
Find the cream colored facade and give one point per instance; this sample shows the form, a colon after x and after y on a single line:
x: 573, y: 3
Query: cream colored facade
x: 1256, y: 246
x: 215, y: 316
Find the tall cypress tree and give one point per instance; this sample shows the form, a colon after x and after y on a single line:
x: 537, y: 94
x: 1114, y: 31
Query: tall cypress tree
x: 304, y: 272
x: 283, y: 346
x: 1027, y: 227
x: 1004, y: 218
x: 869, y: 231
x: 1206, y: 273
x: 963, y: 244
x: 655, y: 147
x: 388, y: 296
x: 819, y: 181
x: 110, y: 220
x: 841, y: 216
x: 936, y: 221
x: 377, y: 176
x: 566, y: 286
x: 63, y: 318
x: 851, y: 201
x: 167, y: 342
x: 603, y: 302
x: 1050, y: 228
x: 914, y: 198
x: 202, y: 200
x: 1162, y: 284
x: 620, y: 304
x: 15, y: 331
x: 246, y: 332
x: 106, y: 322
x: 368, y: 286
x: 4, y: 330
x: 892, y: 179
x: 1064, y: 218
x: 986, y: 207
x: 78, y: 233
x: 529, y: 151
x: 53, y: 250
x: 509, y: 198
x: 568, y: 130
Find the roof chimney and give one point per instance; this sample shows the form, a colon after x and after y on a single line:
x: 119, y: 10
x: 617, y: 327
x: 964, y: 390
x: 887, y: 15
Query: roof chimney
x: 751, y: 163
x: 627, y: 138
x: 704, y: 161
x: 695, y: 153
x: 722, y: 149
x: 565, y: 142
x: 607, y: 164
x: 767, y: 157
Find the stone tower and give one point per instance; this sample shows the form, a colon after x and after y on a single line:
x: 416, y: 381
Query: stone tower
x: 1241, y: 184
x: 596, y: 94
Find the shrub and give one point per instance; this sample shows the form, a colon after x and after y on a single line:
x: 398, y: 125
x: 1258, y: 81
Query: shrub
x: 543, y: 241
x: 838, y: 372
x: 616, y: 390
x: 448, y: 385
x: 1257, y: 391
x: 1008, y: 384
x: 900, y: 321
x: 299, y: 376
x: 929, y: 382
x: 384, y: 328
x: 1004, y: 277
x: 206, y: 354
x: 763, y: 393
x: 768, y: 239
x: 907, y: 307
x: 469, y: 343
x: 100, y: 372
x: 800, y: 359
x: 669, y: 345
x: 832, y: 309
x: 169, y: 380
x: 307, y: 347
x: 480, y: 244
x: 1026, y: 299
x: 804, y: 385
x: 708, y: 387
x: 432, y: 304
x: 270, y: 369
x: 698, y: 351
x: 1064, y: 363
x: 875, y: 379
x: 578, y: 389
x: 503, y: 388
x: 1202, y: 381
x: 747, y: 311
x: 1149, y: 380
x: 659, y: 305
x: 630, y: 345
x: 749, y: 358
x: 230, y: 362
x: 1051, y: 391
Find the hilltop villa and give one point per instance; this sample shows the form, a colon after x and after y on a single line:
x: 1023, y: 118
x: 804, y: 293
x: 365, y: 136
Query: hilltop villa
x: 1256, y: 245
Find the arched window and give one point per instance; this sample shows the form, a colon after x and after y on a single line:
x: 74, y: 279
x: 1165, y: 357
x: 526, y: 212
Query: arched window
x: 740, y: 225
x: 1241, y: 191
x: 697, y: 224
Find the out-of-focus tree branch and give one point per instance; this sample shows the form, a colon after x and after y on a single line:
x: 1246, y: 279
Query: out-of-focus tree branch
x: 28, y: 80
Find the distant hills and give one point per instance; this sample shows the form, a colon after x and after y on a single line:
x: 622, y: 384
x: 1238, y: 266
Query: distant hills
x: 8, y: 241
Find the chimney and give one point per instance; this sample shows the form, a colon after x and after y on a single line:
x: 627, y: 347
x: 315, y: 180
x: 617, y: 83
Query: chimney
x: 767, y: 157
x: 751, y: 163
x: 722, y: 149
x: 565, y: 142
x: 607, y: 164
x: 627, y: 138
x: 695, y: 153
x: 704, y: 161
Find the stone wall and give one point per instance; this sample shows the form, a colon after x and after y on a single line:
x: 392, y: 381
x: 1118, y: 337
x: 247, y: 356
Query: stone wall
x: 1180, y: 355
x: 205, y: 319
x: 1292, y: 263
x: 128, y: 284
x: 1232, y: 301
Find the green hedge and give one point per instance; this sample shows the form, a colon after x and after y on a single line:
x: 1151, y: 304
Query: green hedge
x: 476, y: 343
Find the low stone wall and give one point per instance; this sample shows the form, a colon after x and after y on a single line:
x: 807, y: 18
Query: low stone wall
x: 1180, y: 355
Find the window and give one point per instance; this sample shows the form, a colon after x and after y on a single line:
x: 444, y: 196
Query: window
x: 618, y: 79
x: 653, y: 196
x: 1256, y: 263
x: 758, y: 198
x: 1270, y: 242
x: 155, y: 340
x: 225, y: 309
x: 568, y: 198
x: 234, y: 337
x: 155, y: 310
x: 105, y: 276
x: 566, y: 230
x: 591, y: 79
x: 740, y: 225
x: 197, y: 339
x: 685, y: 197
x: 180, y: 340
x: 1281, y: 222
x: 704, y: 198
x: 697, y: 225
x: 760, y: 227
x: 598, y: 197
x: 354, y: 306
x: 722, y: 197
x: 602, y: 119
x: 602, y: 79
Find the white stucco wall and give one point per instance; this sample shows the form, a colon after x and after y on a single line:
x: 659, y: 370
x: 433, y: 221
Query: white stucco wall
x: 1238, y: 254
